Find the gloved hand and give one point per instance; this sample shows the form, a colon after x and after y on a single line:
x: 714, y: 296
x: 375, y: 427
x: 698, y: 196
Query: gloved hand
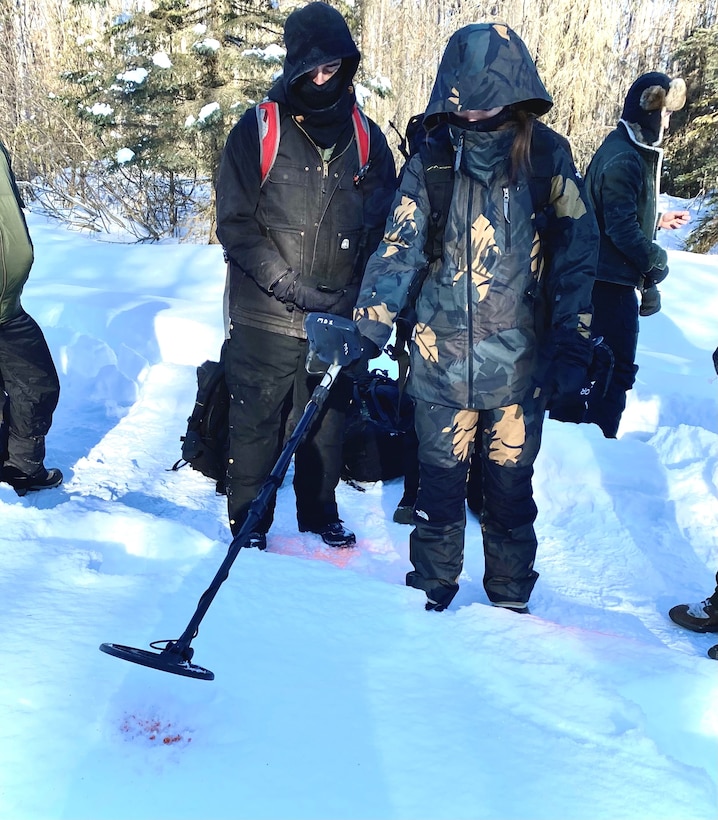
x: 567, y: 373
x: 346, y: 301
x: 290, y: 291
x: 650, y: 301
x: 654, y: 276
x: 369, y: 350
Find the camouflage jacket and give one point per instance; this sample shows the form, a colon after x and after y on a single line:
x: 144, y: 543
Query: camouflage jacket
x: 503, y: 291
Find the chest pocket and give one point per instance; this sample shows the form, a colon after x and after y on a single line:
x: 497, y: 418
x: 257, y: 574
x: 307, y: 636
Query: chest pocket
x: 285, y: 200
x: 347, y: 201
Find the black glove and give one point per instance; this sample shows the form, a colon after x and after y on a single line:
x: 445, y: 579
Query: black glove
x: 567, y: 373
x: 715, y: 359
x: 290, y: 291
x: 346, y: 301
x: 654, y: 276
x: 650, y: 301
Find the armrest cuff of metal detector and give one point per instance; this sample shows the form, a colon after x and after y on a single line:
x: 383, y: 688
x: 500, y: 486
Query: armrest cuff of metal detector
x: 333, y: 339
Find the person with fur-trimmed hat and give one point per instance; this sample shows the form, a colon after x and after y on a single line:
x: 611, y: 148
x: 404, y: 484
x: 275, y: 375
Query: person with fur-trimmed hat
x: 622, y: 181
x: 297, y: 241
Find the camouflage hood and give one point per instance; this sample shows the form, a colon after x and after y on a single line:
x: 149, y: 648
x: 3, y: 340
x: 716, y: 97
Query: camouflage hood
x: 485, y: 66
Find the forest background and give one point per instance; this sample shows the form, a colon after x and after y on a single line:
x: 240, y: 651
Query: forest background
x: 116, y: 111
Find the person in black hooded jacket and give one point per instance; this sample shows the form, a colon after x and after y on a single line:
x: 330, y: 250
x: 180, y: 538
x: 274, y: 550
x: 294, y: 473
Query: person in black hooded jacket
x: 296, y: 243
x: 622, y: 181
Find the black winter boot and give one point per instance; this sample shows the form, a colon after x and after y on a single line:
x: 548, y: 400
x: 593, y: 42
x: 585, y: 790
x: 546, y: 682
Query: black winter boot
x: 702, y: 617
x: 41, y: 480
x: 333, y: 535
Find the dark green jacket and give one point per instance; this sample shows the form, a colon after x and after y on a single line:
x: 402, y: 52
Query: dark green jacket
x: 621, y: 182
x: 501, y: 287
x: 16, y: 252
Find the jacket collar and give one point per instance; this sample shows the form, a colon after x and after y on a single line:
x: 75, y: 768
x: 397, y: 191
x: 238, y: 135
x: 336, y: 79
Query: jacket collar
x: 637, y: 142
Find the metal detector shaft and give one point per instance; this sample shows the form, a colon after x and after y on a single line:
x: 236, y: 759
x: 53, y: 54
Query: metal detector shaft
x: 334, y: 341
x: 259, y: 506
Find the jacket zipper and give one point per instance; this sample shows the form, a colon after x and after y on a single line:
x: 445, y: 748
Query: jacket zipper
x: 469, y: 291
x: 507, y: 219
x: 325, y: 176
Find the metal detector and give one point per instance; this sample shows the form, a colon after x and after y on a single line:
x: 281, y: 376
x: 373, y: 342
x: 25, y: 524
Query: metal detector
x: 333, y: 341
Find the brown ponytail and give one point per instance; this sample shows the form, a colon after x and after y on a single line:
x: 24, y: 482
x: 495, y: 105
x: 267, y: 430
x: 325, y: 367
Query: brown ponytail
x: 521, y: 148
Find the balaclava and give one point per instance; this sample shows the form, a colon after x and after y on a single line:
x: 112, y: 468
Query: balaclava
x: 314, y: 35
x: 646, y: 100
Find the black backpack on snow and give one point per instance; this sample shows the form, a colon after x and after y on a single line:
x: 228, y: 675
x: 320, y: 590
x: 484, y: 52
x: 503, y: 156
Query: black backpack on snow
x: 206, y: 443
x: 379, y: 416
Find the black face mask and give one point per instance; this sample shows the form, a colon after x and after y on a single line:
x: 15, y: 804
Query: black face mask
x: 491, y: 124
x: 325, y: 109
x: 313, y: 97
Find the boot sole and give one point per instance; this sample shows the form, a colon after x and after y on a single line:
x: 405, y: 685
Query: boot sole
x: 21, y: 491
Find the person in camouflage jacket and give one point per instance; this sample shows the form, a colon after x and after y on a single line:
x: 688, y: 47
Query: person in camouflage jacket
x: 503, y: 316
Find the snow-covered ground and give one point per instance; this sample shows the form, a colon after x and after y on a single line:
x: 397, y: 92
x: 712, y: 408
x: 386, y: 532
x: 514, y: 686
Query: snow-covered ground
x: 336, y: 695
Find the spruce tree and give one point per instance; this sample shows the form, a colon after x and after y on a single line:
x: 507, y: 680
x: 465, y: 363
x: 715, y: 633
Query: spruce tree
x: 692, y: 151
x: 161, y: 88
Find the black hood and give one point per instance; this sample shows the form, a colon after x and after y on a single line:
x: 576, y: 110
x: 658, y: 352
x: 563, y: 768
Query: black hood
x: 317, y: 34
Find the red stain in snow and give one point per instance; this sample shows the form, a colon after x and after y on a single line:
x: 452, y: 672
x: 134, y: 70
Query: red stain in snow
x: 152, y: 729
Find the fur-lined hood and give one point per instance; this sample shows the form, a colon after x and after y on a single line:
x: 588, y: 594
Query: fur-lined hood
x: 656, y: 97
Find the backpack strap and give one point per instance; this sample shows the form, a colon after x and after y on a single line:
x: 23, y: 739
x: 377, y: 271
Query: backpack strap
x: 363, y: 141
x: 268, y: 123
x: 437, y: 157
x: 543, y: 143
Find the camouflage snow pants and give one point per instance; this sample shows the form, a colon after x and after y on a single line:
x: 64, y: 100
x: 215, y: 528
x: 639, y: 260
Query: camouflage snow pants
x: 507, y: 441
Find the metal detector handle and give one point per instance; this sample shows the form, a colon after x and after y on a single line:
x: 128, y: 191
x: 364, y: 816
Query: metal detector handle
x: 333, y: 339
